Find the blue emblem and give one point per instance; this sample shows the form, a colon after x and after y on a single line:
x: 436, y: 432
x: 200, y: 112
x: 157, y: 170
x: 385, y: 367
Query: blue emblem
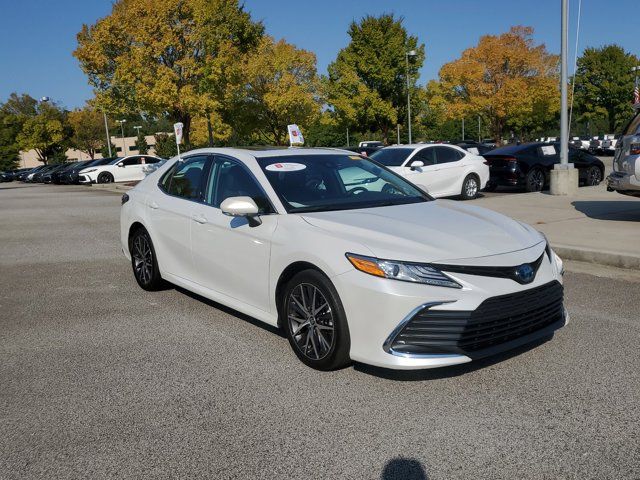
x: 525, y: 273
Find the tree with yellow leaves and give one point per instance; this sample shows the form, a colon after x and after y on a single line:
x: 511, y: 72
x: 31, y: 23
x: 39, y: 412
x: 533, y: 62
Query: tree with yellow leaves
x: 507, y: 79
x: 170, y: 56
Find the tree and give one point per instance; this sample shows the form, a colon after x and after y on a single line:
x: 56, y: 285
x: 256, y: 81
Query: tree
x: 165, y: 56
x: 88, y: 130
x: 507, y: 79
x: 604, y: 86
x: 141, y: 143
x: 47, y: 132
x: 367, y: 83
x: 104, y: 150
x: 280, y: 88
x: 165, y: 146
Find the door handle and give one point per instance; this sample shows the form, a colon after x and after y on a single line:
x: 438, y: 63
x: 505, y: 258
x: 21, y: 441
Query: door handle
x: 198, y: 218
x: 153, y: 205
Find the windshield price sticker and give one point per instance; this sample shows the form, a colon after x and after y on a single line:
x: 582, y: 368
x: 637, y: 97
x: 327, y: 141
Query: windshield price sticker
x: 548, y: 150
x: 285, y: 167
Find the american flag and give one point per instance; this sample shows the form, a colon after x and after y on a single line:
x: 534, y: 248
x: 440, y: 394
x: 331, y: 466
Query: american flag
x: 636, y: 94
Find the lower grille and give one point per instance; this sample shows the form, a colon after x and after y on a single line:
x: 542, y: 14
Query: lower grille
x: 498, y: 322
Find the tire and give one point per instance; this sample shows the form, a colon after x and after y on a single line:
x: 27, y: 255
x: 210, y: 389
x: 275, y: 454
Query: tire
x: 535, y: 180
x: 593, y: 176
x: 470, y: 187
x: 144, y: 262
x: 320, y: 336
x: 105, y: 177
x: 490, y: 186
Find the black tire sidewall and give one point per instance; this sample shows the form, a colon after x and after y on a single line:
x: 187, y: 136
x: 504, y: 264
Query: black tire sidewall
x: 338, y: 356
x: 103, y: 176
x: 463, y: 194
x: 528, y: 180
x: 156, y: 280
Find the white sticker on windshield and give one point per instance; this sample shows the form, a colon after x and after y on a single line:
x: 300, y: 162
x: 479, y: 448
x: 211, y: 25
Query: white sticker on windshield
x: 548, y: 150
x: 285, y: 167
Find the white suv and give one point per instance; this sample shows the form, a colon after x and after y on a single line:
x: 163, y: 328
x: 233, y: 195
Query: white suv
x: 444, y: 170
x: 120, y: 169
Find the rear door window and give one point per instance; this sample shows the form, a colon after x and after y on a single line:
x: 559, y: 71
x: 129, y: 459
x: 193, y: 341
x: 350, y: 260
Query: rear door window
x: 426, y: 155
x: 186, y: 179
x: 447, y: 154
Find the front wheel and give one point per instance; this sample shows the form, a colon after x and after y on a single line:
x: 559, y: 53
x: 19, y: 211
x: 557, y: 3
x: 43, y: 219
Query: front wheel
x: 315, y: 322
x: 144, y: 262
x: 594, y: 176
x: 534, y: 182
x: 470, y: 187
x: 105, y: 177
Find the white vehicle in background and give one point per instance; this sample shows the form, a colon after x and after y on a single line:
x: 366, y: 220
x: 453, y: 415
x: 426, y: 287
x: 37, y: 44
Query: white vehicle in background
x: 371, y: 143
x: 625, y: 178
x: 443, y: 170
x: 608, y: 145
x: 350, y: 260
x: 120, y: 169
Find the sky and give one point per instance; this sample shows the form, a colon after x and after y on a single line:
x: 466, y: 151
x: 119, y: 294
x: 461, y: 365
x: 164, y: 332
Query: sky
x: 38, y: 36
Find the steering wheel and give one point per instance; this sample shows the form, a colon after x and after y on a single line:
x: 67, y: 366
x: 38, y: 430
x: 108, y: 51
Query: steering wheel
x: 357, y: 190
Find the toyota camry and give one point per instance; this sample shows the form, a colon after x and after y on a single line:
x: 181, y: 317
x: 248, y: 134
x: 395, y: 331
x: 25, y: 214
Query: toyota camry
x: 351, y: 260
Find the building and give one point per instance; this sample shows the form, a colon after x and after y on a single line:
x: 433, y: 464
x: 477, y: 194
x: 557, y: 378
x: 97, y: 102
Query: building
x: 30, y: 158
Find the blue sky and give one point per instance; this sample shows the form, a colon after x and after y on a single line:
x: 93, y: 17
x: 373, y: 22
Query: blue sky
x: 38, y: 36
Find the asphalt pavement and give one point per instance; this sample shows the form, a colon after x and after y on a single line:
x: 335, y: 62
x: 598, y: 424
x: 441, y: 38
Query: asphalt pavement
x: 100, y: 379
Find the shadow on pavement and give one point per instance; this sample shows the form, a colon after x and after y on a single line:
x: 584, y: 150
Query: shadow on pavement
x: 447, y: 372
x: 619, y: 210
x: 404, y: 469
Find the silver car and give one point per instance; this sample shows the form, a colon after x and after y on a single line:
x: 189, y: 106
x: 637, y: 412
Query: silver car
x: 625, y: 178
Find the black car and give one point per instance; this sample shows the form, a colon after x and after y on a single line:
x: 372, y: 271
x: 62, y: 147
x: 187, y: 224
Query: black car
x: 37, y: 178
x: 6, y: 177
x: 25, y: 176
x: 529, y: 165
x: 61, y: 176
x: 47, y: 177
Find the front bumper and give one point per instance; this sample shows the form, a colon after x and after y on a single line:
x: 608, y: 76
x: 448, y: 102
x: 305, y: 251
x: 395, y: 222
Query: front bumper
x: 378, y: 309
x: 623, y: 183
x: 86, y: 178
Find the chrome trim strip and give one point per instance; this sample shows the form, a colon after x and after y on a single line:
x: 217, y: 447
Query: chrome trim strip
x: 386, y: 346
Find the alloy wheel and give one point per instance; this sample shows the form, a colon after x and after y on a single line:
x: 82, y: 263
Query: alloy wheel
x: 471, y: 187
x: 142, y: 259
x: 594, y: 176
x: 536, y: 181
x: 310, y: 321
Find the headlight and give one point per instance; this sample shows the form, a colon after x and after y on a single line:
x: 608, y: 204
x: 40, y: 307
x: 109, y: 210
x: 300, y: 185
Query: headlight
x: 403, y: 271
x: 89, y: 171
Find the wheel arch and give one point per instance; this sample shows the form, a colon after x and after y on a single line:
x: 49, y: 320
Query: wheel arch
x: 134, y: 227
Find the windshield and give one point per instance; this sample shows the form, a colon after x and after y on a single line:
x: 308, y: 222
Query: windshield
x: 317, y: 183
x: 392, y: 157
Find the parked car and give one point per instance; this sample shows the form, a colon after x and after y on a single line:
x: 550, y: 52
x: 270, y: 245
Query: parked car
x: 37, y: 177
x: 120, y: 169
x: 608, y: 145
x: 352, y: 261
x: 475, y: 148
x: 371, y: 143
x: 58, y: 176
x: 47, y: 177
x: 595, y: 145
x: 443, y: 170
x: 528, y: 165
x: 6, y: 176
x: 625, y: 178
x: 366, y: 151
x: 72, y: 176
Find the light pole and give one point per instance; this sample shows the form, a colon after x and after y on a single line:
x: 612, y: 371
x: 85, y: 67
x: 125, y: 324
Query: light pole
x: 106, y: 131
x: 122, y: 122
x: 410, y: 53
x: 463, y: 129
x: 479, y: 134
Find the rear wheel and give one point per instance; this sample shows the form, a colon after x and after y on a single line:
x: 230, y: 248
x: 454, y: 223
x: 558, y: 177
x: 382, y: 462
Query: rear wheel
x: 534, y: 181
x: 470, y: 187
x: 143, y: 261
x: 594, y: 176
x: 315, y: 321
x: 105, y: 177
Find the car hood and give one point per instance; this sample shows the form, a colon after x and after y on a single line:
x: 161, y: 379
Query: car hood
x: 436, y: 231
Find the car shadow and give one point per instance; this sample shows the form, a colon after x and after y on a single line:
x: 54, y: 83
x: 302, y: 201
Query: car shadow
x: 617, y: 210
x: 231, y: 311
x: 447, y: 372
x: 404, y: 469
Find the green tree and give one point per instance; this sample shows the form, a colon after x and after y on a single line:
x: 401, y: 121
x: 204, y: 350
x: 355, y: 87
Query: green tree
x: 141, y: 143
x: 367, y: 83
x: 104, y: 150
x: 604, y: 86
x: 13, y: 113
x: 88, y: 130
x: 168, y: 56
x: 47, y: 132
x: 165, y: 146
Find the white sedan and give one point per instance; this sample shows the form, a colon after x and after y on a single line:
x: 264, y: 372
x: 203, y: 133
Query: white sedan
x: 349, y: 259
x: 120, y: 169
x: 444, y: 170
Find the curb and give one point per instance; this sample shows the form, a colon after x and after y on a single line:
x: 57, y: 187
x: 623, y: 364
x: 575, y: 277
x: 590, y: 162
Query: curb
x: 599, y: 257
x: 112, y: 187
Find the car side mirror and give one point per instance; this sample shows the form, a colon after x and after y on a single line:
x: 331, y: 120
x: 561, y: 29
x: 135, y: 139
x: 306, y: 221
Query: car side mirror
x: 121, y: 165
x: 416, y: 164
x: 241, y: 207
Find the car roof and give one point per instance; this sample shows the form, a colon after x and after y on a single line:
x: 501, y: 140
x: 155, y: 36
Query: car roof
x: 265, y: 152
x: 517, y: 148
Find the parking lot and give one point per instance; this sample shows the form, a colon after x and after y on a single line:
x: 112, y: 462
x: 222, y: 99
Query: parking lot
x: 102, y: 379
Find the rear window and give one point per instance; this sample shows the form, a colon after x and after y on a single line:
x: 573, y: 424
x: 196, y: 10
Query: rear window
x: 391, y: 157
